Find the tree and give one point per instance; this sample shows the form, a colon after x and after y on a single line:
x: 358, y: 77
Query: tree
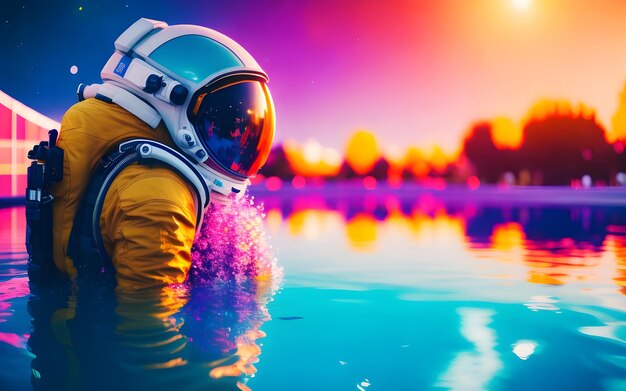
x: 277, y: 164
x: 489, y: 162
x: 562, y: 147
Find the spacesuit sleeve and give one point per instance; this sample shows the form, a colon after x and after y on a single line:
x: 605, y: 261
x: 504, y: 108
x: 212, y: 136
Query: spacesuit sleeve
x: 148, y: 224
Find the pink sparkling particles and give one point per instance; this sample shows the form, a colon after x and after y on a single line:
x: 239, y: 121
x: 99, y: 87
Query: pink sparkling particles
x: 232, y: 244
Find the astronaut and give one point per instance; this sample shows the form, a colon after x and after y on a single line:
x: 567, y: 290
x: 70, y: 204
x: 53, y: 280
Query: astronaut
x: 183, y: 118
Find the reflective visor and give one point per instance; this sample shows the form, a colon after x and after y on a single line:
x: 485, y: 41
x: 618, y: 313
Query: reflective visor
x: 235, y: 122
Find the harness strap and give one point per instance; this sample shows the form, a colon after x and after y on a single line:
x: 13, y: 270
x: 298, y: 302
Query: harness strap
x: 86, y: 246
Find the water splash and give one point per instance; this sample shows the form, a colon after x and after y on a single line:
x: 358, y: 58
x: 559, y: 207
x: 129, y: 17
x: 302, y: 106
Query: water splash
x: 232, y: 245
x: 234, y: 276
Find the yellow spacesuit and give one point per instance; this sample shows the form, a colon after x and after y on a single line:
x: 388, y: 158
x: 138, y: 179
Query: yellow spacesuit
x: 148, y: 220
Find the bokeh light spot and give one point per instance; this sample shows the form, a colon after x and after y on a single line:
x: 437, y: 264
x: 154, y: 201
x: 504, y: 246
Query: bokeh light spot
x: 362, y: 152
x: 369, y: 182
x: 298, y: 182
x: 473, y: 182
x: 273, y: 183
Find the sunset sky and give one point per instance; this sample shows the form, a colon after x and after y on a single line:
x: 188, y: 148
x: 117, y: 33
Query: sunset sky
x: 413, y: 72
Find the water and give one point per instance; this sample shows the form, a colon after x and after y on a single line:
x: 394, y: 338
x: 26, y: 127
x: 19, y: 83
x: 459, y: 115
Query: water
x: 408, y: 290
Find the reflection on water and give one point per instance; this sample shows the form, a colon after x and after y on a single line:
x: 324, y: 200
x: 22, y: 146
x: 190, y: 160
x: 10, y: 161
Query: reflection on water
x: 381, y: 292
x: 555, y: 244
x: 473, y: 369
x: 87, y: 339
x: 91, y: 337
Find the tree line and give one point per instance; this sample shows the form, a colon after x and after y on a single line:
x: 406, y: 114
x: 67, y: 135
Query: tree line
x: 558, y: 147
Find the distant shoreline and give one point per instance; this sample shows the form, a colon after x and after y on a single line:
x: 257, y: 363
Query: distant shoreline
x: 486, y: 194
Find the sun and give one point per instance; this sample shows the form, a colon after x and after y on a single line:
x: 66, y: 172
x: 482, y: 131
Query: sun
x: 521, y: 4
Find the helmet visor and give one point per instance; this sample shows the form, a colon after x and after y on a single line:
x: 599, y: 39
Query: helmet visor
x: 235, y: 122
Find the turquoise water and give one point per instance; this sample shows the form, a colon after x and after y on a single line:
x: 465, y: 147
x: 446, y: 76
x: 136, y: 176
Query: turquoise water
x: 399, y: 291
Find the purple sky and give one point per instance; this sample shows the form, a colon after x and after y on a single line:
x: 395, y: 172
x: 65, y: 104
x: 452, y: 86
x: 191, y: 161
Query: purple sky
x: 413, y: 72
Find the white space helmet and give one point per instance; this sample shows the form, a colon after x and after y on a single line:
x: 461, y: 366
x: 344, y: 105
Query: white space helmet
x: 208, y: 90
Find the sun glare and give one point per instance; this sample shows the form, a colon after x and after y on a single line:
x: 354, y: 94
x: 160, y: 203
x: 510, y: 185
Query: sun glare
x: 521, y: 4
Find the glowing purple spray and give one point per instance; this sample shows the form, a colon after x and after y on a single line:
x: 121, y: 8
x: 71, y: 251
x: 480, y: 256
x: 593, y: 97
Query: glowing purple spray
x: 232, y: 244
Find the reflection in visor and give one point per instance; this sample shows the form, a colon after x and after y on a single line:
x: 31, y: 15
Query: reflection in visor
x: 236, y: 124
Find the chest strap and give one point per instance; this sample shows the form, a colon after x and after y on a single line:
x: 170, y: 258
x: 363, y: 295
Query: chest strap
x: 86, y: 246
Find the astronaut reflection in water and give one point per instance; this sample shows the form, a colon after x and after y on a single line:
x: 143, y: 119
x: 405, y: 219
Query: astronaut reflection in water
x: 97, y: 339
x: 94, y: 336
